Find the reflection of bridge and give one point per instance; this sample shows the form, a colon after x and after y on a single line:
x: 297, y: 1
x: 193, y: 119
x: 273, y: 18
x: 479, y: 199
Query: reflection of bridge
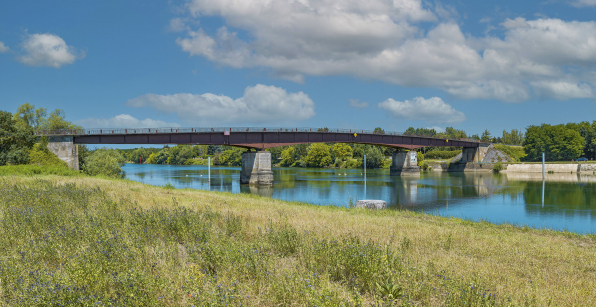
x: 256, y: 166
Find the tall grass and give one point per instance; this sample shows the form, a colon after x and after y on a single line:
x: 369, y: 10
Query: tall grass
x: 515, y: 152
x: 68, y: 244
x: 30, y: 170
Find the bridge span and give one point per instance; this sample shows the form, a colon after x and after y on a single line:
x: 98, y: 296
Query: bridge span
x: 256, y: 166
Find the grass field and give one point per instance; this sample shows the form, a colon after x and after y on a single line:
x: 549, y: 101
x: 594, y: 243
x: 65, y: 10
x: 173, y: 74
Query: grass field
x: 96, y: 242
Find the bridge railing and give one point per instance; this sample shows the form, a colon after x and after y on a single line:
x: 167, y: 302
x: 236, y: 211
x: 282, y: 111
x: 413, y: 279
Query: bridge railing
x: 124, y: 131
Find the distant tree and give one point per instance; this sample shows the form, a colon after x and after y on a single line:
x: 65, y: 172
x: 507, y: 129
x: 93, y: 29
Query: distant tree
x: 107, y: 162
x: 476, y: 137
x: 152, y: 158
x: 15, y: 140
x: 287, y: 156
x: 379, y: 130
x: 231, y: 157
x: 342, y: 151
x: 486, y: 136
x: 515, y: 137
x: 374, y: 157
x: 318, y: 155
x: 559, y: 143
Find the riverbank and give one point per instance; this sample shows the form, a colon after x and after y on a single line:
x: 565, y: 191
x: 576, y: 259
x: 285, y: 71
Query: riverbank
x: 83, y: 239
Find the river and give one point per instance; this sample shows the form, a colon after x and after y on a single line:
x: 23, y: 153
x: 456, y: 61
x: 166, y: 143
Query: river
x: 562, y: 202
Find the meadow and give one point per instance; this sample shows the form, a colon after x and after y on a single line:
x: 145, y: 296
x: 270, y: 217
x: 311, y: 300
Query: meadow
x: 101, y: 242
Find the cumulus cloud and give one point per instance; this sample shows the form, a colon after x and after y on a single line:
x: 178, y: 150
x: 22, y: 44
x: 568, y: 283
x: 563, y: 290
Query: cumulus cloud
x: 383, y: 40
x: 178, y: 25
x: 123, y: 121
x: 3, y: 48
x: 260, y: 104
x: 583, y: 3
x: 433, y: 110
x: 46, y: 50
x: 355, y: 103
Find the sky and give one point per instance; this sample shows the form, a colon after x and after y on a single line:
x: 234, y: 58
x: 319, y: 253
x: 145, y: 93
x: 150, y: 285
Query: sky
x: 471, y: 65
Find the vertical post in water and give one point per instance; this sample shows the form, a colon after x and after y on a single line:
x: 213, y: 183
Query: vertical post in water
x: 364, y: 165
x: 542, y: 166
x: 209, y: 169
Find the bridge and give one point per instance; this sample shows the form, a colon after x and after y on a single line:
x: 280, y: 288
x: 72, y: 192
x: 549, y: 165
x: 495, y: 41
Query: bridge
x: 256, y: 166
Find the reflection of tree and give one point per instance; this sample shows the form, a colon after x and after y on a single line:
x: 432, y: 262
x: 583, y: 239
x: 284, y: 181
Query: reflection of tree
x: 560, y: 197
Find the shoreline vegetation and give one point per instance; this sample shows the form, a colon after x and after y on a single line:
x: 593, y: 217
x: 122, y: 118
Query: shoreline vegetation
x: 87, y: 240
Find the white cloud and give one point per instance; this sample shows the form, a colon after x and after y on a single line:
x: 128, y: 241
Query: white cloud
x: 583, y: 3
x: 260, y: 104
x: 178, y: 25
x: 433, y: 110
x: 562, y: 90
x: 3, y: 48
x: 355, y: 103
x: 382, y: 40
x: 123, y: 121
x: 46, y: 50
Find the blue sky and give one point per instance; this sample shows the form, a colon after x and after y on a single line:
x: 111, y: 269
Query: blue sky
x: 473, y: 65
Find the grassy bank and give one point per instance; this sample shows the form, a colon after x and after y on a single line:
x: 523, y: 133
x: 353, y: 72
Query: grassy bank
x: 84, y: 241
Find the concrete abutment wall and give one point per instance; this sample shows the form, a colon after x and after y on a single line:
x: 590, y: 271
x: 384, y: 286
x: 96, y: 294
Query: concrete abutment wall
x: 404, y: 163
x: 65, y: 149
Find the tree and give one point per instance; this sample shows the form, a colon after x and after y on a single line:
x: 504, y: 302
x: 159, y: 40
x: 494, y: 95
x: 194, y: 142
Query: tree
x: 318, y: 155
x: 374, y: 157
x: 342, y: 151
x: 379, y: 130
x: 15, y: 140
x: 107, y: 162
x: 231, y: 157
x: 486, y: 136
x: 287, y: 156
x: 559, y: 143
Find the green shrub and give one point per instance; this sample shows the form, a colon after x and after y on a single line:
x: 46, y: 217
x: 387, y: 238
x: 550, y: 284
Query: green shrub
x: 419, y: 158
x: 497, y: 167
x: 424, y: 165
x: 40, y: 155
x: 106, y: 162
x: 442, y: 154
x: 354, y: 163
x: 515, y: 152
x: 30, y: 170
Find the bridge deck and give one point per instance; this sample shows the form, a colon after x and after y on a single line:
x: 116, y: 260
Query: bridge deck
x: 255, y: 137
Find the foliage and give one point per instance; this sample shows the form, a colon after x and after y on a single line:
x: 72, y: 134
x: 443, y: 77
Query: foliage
x: 419, y: 158
x: 486, y: 136
x: 105, y: 162
x: 152, y: 159
x: 41, y: 155
x: 374, y: 157
x: 515, y: 137
x: 342, y: 151
x: 354, y: 163
x: 15, y: 140
x: 379, y: 130
x: 497, y: 167
x: 421, y: 132
x: 559, y: 143
x: 287, y: 156
x: 231, y: 157
x: 38, y: 119
x: 515, y: 152
x: 441, y: 154
x: 30, y: 170
x: 319, y: 155
x: 424, y: 165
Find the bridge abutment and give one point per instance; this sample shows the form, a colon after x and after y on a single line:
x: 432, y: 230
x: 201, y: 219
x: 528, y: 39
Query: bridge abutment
x: 256, y: 168
x: 404, y: 163
x: 65, y: 149
x: 473, y: 154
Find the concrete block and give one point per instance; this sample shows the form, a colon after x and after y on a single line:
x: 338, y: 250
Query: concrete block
x: 371, y: 204
x: 256, y: 168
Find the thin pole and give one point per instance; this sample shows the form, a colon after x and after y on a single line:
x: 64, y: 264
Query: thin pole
x: 542, y: 166
x: 364, y: 165
x: 209, y: 169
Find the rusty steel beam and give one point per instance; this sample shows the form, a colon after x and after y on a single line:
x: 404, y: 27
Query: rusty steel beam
x: 263, y: 140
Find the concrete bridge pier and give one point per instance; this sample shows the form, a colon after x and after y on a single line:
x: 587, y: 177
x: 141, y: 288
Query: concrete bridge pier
x: 65, y: 149
x: 404, y: 163
x: 474, y: 154
x: 256, y: 168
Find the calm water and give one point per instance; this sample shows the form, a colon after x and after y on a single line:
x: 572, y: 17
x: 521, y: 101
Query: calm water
x: 564, y: 201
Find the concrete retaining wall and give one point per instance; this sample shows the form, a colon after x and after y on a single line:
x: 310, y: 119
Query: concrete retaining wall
x: 63, y: 147
x: 537, y: 168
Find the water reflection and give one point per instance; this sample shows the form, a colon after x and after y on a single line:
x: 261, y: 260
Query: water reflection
x: 562, y: 201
